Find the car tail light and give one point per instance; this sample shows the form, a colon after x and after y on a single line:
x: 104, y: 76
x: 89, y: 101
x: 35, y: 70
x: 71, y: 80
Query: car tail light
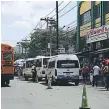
x: 55, y: 72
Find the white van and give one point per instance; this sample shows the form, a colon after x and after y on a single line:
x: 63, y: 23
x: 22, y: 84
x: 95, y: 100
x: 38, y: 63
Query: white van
x: 63, y: 68
x: 41, y: 66
x: 27, y: 68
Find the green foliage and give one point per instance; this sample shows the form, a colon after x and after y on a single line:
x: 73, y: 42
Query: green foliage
x: 17, y: 56
x: 40, y: 39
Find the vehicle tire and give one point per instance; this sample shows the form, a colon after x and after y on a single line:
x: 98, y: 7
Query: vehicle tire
x: 7, y: 82
x: 57, y: 82
x: 26, y: 78
x: 77, y: 83
x: 52, y: 81
x: 2, y: 83
x: 39, y: 79
x: 46, y: 80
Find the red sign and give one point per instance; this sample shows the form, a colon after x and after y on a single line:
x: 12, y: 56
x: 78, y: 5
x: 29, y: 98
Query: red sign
x: 97, y: 31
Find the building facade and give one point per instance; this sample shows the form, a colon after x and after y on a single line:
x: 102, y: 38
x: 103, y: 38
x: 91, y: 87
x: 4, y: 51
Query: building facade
x: 93, y: 29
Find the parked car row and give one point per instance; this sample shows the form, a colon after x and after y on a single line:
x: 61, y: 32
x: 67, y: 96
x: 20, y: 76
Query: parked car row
x: 61, y: 68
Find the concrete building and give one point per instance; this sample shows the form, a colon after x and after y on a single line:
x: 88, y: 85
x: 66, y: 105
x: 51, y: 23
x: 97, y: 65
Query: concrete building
x: 93, y: 29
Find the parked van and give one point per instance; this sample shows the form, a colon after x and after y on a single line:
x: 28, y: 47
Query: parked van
x: 63, y: 68
x: 41, y: 65
x: 27, y: 68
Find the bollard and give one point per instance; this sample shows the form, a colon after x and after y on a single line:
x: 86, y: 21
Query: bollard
x: 36, y: 79
x: 84, y: 104
x: 49, y: 83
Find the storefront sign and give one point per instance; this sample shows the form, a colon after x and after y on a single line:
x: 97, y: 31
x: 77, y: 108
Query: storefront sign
x: 97, y: 34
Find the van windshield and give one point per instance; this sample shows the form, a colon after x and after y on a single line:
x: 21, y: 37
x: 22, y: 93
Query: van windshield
x: 67, y: 64
x: 45, y: 61
x: 29, y: 63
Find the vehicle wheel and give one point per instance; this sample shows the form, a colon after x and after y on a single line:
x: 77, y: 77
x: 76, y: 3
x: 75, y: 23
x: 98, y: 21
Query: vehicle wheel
x: 76, y: 83
x: 46, y: 80
x: 57, y: 82
x: 7, y: 82
x: 39, y: 79
x: 26, y: 78
x: 52, y: 81
x: 2, y: 83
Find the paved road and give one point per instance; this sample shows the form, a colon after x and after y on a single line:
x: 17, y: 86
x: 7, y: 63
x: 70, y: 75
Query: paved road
x: 28, y: 95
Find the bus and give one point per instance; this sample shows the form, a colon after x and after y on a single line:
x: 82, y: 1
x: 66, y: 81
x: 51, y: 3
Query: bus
x: 41, y: 66
x: 7, y: 64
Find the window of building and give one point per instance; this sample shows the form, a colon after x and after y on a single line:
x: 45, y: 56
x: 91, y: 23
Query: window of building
x: 85, y: 18
x: 107, y: 6
x: 97, y: 11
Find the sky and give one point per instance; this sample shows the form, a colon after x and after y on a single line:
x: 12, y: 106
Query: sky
x: 19, y: 18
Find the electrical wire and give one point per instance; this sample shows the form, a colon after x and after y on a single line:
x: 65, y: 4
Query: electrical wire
x: 67, y: 11
x: 45, y: 16
x: 49, y: 14
x: 71, y: 23
x: 64, y: 7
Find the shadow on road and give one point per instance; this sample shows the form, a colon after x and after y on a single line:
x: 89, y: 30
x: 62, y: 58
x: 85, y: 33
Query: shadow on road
x: 102, y: 89
x: 20, y: 79
x: 61, y: 84
x: 5, y: 86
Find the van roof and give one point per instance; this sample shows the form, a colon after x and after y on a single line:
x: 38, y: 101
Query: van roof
x: 29, y: 59
x: 42, y: 57
x: 64, y: 57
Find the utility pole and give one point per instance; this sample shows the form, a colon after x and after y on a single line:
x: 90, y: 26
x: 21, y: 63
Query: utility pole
x: 50, y: 40
x: 57, y: 25
x: 50, y: 21
x: 45, y: 19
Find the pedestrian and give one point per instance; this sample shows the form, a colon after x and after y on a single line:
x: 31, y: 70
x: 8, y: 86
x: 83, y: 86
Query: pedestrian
x: 34, y: 73
x: 96, y: 71
x: 106, y: 74
x: 85, y: 71
x: 102, y: 72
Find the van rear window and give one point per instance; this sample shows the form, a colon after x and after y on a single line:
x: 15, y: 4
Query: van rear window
x: 67, y: 64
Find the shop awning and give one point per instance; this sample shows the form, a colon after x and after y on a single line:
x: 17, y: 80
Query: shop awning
x: 100, y: 51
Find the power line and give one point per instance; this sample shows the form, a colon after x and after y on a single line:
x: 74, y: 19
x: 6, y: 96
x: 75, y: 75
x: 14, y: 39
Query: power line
x: 71, y: 23
x: 64, y: 7
x: 49, y: 14
x: 68, y: 11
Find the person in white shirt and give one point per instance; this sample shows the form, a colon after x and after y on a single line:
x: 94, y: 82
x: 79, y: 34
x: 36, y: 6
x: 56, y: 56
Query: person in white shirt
x: 96, y: 71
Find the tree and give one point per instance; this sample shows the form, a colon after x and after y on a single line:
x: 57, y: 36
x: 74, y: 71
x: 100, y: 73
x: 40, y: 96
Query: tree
x: 40, y: 39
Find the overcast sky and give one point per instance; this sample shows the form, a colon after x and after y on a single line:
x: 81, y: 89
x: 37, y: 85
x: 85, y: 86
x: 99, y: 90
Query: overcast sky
x: 18, y: 18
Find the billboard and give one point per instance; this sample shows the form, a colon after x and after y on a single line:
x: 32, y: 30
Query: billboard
x: 97, y: 34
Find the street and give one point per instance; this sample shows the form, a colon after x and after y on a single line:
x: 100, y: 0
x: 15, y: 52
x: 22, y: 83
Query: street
x: 27, y: 95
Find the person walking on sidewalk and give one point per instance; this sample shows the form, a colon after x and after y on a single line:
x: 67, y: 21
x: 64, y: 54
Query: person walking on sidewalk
x: 85, y: 71
x: 96, y: 71
x: 106, y: 73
